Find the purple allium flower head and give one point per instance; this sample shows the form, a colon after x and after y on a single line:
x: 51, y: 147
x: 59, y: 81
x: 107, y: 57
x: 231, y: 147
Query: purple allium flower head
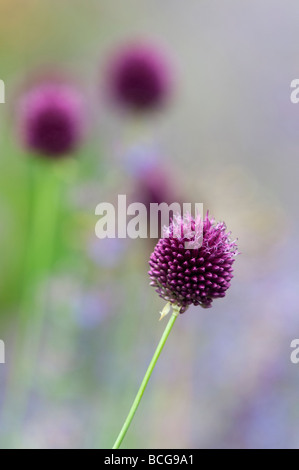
x: 138, y: 77
x: 51, y: 119
x: 192, y: 263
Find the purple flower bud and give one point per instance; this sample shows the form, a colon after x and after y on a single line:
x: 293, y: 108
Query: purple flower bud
x: 51, y: 119
x: 138, y: 78
x: 195, y: 275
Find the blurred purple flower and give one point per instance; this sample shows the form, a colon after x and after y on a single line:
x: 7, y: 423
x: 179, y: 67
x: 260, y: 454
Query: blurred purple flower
x: 153, y: 186
x: 197, y: 275
x: 138, y: 77
x: 51, y: 119
x: 152, y: 182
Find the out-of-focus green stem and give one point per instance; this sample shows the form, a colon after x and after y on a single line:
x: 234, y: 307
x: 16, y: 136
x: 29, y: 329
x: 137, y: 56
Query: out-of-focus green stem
x: 45, y: 187
x: 146, y: 378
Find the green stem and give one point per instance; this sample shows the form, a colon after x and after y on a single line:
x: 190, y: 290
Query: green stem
x: 45, y: 202
x: 146, y: 378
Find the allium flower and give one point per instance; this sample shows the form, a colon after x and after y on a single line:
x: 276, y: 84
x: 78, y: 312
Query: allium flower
x: 191, y: 264
x: 50, y: 119
x: 138, y: 78
x: 197, y: 273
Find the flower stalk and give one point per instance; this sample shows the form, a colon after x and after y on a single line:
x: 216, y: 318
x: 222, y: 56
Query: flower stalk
x: 124, y: 429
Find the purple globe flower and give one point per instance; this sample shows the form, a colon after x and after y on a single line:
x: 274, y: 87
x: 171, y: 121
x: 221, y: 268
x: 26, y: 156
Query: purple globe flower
x: 192, y: 263
x: 138, y: 78
x: 51, y: 119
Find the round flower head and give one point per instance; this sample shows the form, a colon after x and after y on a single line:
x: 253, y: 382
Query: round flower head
x: 138, y: 78
x: 50, y: 116
x: 192, y: 263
